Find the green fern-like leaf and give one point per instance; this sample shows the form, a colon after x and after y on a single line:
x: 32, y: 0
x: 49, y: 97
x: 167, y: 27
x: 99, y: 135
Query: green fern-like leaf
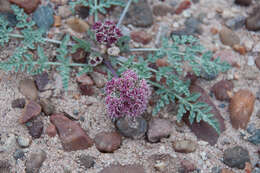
x: 81, y: 44
x: 4, y: 31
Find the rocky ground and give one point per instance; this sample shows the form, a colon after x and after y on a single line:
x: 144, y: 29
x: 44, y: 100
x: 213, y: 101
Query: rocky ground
x: 43, y: 129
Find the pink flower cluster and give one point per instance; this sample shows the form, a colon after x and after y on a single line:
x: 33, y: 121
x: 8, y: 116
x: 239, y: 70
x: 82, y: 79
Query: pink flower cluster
x: 106, y: 33
x: 127, y: 95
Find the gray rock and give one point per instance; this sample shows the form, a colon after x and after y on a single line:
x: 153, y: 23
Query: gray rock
x: 251, y: 128
x: 23, y: 141
x: 256, y: 170
x: 255, y: 138
x: 193, y: 26
x: 132, y: 129
x: 158, y: 128
x: 43, y: 17
x: 86, y: 161
x: 18, y: 154
x: 18, y: 103
x: 34, y: 162
x: 236, y: 23
x: 10, y: 17
x: 47, y: 107
x: 184, y: 146
x: 9, y: 145
x: 216, y: 170
x: 236, y: 157
x: 228, y: 37
x: 5, y: 166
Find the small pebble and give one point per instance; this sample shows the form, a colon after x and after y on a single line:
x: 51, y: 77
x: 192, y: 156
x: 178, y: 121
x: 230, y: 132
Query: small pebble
x: 24, y: 141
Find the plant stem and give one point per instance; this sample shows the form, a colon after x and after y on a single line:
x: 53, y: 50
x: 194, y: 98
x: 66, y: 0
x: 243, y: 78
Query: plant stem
x: 124, y: 13
x: 143, y: 49
x: 109, y: 66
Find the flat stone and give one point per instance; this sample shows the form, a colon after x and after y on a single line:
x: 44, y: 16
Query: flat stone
x: 228, y: 56
x: 202, y: 129
x: 35, y: 128
x: 31, y: 110
x: 72, y: 136
x: 41, y: 80
x: 132, y: 129
x: 43, y: 17
x: 123, y: 169
x: 77, y: 25
x: 141, y: 37
x: 35, y: 160
x: 184, y: 146
x: 225, y: 170
x: 241, y: 107
x: 28, y: 88
x: 86, y: 161
x: 253, y: 21
x: 107, y: 142
x: 158, y: 129
x: 28, y: 5
x: 236, y: 157
x: 222, y: 89
x: 228, y: 37
x: 18, y: 103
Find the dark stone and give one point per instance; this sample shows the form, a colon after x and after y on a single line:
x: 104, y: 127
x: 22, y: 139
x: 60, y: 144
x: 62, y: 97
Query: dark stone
x: 243, y: 2
x: 236, y: 157
x: 86, y: 161
x: 192, y: 26
x: 255, y: 138
x: 10, y: 17
x: 202, y: 129
x: 41, y: 80
x: 253, y: 21
x: 18, y: 154
x: 221, y: 89
x: 82, y: 12
x: 35, y: 128
x: 86, y: 90
x: 206, y: 76
x: 43, y: 17
x: 251, y: 128
x: 132, y: 129
x: 236, y: 23
x: 18, y: 103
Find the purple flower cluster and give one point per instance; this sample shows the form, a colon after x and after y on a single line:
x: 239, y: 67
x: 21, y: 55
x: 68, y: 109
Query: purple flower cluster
x: 127, y: 96
x: 106, y: 33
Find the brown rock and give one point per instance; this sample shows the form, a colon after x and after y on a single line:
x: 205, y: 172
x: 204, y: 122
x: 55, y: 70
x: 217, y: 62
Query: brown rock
x: 51, y: 130
x: 228, y: 37
x: 225, y: 170
x: 28, y: 88
x: 5, y: 6
x: 253, y: 21
x: 187, y: 166
x: 123, y: 169
x: 183, y: 6
x: 28, y: 5
x: 57, y: 21
x: 80, y: 56
x: 257, y: 62
x: 77, y: 25
x: 64, y: 11
x: 202, y: 129
x: 72, y: 136
x: 108, y: 142
x: 162, y: 9
x: 31, y: 110
x: 241, y: 107
x: 240, y: 49
x: 221, y: 90
x: 184, y: 146
x: 141, y: 37
x: 162, y: 62
x: 35, y: 128
x: 214, y: 31
x: 85, y: 80
x: 86, y: 90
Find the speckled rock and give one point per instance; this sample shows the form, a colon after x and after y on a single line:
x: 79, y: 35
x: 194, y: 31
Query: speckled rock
x: 255, y: 138
x: 228, y: 37
x: 107, y: 142
x: 72, y: 136
x: 43, y: 17
x: 77, y: 25
x: 41, y: 80
x: 28, y: 88
x: 132, y: 129
x: 241, y: 107
x: 35, y: 128
x: 86, y: 161
x: 47, y: 107
x: 202, y: 129
x: 24, y: 141
x: 227, y: 55
x: 222, y: 90
x: 253, y: 21
x: 184, y: 146
x: 243, y: 2
x: 123, y: 169
x: 158, y: 129
x: 236, y: 157
x: 35, y: 160
x: 28, y: 5
x: 18, y: 103
x: 31, y: 110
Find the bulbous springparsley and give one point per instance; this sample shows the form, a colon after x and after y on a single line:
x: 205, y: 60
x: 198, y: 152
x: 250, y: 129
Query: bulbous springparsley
x: 127, y: 95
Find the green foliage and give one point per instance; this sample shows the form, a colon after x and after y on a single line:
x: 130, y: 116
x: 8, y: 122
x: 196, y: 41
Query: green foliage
x: 97, y: 6
x: 4, y: 30
x: 178, y: 51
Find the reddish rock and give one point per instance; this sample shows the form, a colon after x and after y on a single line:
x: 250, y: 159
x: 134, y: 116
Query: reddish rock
x: 141, y: 37
x: 257, y: 62
x: 241, y: 107
x: 162, y: 62
x: 123, y: 169
x: 187, y: 166
x: 51, y: 130
x: 162, y: 10
x: 28, y: 5
x: 85, y: 80
x: 248, y: 168
x: 108, y: 142
x: 72, y: 136
x: 225, y: 170
x: 80, y: 56
x: 240, y: 49
x: 183, y: 6
x: 32, y: 109
x: 222, y: 89
x: 86, y: 90
x: 227, y: 56
x: 202, y: 129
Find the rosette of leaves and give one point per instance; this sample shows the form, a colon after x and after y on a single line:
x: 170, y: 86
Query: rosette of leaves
x: 174, y: 89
